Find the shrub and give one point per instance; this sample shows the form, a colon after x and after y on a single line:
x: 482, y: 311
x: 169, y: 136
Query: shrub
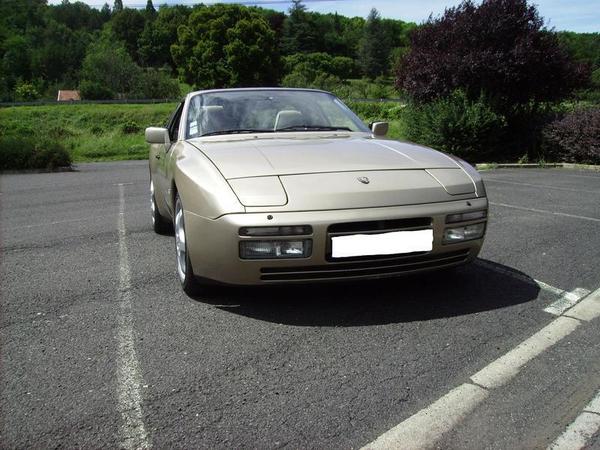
x: 130, y: 127
x: 454, y: 124
x: 154, y: 83
x: 311, y: 65
x: 575, y: 137
x: 373, y: 111
x: 92, y: 90
x: 26, y: 92
x: 17, y: 153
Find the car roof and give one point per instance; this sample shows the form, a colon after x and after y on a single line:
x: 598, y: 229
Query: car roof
x: 206, y: 91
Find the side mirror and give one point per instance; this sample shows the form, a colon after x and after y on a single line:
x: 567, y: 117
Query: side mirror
x: 157, y: 135
x: 379, y: 129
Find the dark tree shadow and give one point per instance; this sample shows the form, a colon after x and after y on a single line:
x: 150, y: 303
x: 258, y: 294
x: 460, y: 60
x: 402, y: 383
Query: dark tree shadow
x: 480, y: 286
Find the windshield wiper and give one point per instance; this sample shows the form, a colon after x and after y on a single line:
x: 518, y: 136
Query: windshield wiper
x: 312, y: 128
x: 236, y: 131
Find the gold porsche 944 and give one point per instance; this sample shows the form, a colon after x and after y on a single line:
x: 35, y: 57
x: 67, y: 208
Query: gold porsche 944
x: 288, y: 185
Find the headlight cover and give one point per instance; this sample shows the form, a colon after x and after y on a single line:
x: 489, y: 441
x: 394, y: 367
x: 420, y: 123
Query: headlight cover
x: 279, y: 249
x: 466, y: 233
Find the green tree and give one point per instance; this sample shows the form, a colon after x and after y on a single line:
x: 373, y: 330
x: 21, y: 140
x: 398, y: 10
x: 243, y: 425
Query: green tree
x: 60, y: 53
x: 128, y: 25
x: 16, y: 60
x: 105, y: 13
x: 299, y: 34
x: 158, y: 36
x: 77, y: 16
x: 117, y: 6
x: 374, y: 49
x: 226, y: 45
x: 150, y: 11
x: 109, y: 66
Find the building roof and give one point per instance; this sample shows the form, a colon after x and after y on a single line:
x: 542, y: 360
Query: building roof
x: 66, y: 96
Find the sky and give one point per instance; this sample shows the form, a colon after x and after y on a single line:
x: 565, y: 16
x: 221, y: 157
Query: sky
x: 573, y: 15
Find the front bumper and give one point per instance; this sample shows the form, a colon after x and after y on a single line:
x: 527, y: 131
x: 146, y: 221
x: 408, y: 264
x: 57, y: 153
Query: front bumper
x: 213, y: 245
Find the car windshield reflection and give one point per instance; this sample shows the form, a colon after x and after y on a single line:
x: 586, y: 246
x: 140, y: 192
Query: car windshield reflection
x: 268, y: 111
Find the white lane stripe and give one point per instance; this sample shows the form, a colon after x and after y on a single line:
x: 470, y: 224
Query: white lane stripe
x: 542, y: 186
x: 423, y: 430
x: 578, y: 433
x: 582, y: 429
x: 132, y: 430
x: 587, y: 309
x: 450, y: 409
x: 566, y: 301
x: 500, y: 371
x: 511, y: 273
x: 544, y: 211
x: 594, y: 405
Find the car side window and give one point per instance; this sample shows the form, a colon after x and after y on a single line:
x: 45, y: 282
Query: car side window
x: 173, y: 125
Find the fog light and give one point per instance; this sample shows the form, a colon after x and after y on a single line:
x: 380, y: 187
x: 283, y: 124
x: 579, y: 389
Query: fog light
x: 275, y: 249
x: 464, y: 217
x: 291, y: 230
x: 466, y: 233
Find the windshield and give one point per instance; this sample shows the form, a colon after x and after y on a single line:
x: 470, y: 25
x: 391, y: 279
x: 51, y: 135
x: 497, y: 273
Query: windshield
x: 268, y: 111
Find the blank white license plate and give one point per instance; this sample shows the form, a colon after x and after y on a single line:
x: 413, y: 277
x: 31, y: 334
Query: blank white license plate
x: 391, y: 243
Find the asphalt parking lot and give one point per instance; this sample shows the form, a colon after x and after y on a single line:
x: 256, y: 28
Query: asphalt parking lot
x: 100, y: 347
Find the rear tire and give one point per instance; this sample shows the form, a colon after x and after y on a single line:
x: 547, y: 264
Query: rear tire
x: 159, y: 223
x: 185, y: 273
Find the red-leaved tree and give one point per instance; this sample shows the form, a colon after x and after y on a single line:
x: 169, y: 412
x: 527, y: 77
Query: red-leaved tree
x: 499, y: 48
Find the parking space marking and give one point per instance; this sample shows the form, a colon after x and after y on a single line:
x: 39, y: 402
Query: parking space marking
x: 566, y: 301
x: 500, y: 371
x: 422, y: 430
x: 129, y: 379
x: 545, y: 211
x: 543, y: 186
x: 577, y: 435
x: 425, y: 428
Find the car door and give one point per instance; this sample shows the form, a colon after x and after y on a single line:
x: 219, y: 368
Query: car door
x: 161, y: 178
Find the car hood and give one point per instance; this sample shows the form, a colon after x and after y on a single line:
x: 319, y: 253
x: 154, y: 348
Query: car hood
x: 270, y: 155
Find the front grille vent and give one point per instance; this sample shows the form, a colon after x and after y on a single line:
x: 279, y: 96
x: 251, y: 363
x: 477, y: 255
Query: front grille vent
x: 387, y: 267
x: 380, y: 225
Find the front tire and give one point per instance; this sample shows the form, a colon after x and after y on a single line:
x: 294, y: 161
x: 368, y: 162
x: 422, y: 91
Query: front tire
x: 160, y: 225
x: 185, y: 273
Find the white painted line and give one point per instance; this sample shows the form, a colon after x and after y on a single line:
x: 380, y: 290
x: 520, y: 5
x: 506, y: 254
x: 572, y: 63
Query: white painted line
x: 588, y: 309
x: 423, y: 430
x: 132, y: 430
x: 594, y: 405
x: 567, y: 300
x: 541, y: 186
x: 426, y: 427
x: 548, y: 288
x: 500, y: 371
x: 578, y: 433
x: 544, y: 211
